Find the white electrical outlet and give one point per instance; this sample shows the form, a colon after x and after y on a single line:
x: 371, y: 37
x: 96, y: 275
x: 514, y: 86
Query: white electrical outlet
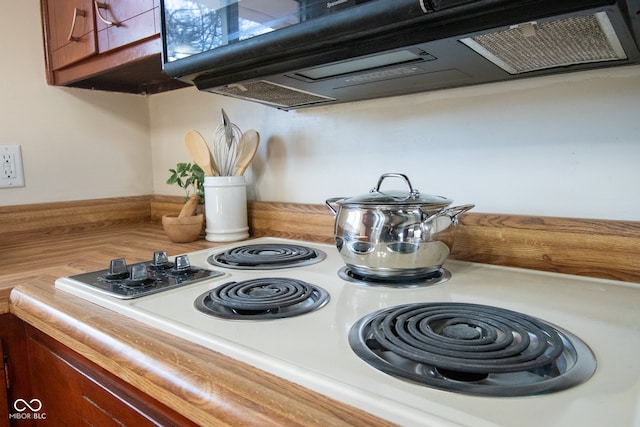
x: 11, y: 173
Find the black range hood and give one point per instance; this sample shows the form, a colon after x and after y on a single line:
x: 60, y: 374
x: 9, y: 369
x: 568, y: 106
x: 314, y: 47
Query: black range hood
x: 379, y: 48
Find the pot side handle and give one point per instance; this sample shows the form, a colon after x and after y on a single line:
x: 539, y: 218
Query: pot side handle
x: 457, y: 210
x: 450, y: 212
x: 329, y: 203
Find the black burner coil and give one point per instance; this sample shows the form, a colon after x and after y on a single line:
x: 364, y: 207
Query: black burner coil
x: 481, y: 340
x: 262, y: 294
x: 262, y: 298
x: 472, y: 348
x: 267, y: 255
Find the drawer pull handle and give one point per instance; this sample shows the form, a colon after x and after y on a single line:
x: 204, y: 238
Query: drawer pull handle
x: 100, y: 5
x: 76, y: 12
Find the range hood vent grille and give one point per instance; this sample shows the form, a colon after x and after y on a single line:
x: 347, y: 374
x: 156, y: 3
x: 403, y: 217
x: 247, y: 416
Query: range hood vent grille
x: 272, y: 94
x: 532, y: 46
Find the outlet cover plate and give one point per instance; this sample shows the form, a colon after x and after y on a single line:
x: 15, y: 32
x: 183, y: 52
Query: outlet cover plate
x: 11, y: 172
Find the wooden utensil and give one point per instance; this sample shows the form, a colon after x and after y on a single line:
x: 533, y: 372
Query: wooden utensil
x: 190, y: 207
x: 247, y: 148
x: 199, y: 152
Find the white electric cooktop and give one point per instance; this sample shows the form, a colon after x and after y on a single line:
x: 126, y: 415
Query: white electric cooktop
x: 313, y: 350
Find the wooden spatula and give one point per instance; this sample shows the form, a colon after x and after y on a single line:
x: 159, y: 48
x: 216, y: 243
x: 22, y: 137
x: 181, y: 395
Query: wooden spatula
x: 199, y: 151
x: 247, y: 147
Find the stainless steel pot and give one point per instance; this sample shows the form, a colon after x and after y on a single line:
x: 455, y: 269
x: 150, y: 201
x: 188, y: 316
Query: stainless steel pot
x: 394, y: 234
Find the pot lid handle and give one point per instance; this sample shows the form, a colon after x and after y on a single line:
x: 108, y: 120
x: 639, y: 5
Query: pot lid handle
x: 412, y: 192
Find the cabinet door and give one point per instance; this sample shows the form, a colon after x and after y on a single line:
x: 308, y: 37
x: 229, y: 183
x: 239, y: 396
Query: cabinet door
x: 74, y: 391
x: 15, y: 369
x: 4, y: 400
x: 121, y: 22
x: 70, y: 31
x: 56, y: 385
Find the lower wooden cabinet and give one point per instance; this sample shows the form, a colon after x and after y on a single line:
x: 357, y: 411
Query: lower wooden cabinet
x: 4, y: 399
x: 75, y: 391
x: 15, y: 386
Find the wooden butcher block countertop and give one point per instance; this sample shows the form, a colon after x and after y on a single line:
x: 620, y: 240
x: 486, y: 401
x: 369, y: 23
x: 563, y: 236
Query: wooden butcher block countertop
x: 200, y: 384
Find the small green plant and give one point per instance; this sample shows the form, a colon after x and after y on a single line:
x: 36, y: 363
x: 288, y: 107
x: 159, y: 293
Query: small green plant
x: 189, y: 177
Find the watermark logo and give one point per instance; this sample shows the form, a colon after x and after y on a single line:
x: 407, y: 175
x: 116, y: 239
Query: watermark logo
x: 22, y: 405
x: 27, y: 410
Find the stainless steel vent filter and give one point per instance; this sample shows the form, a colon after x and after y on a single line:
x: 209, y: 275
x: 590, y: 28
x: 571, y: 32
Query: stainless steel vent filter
x: 536, y: 46
x: 272, y: 94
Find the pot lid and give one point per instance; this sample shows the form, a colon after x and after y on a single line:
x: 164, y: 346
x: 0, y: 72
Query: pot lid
x: 397, y: 197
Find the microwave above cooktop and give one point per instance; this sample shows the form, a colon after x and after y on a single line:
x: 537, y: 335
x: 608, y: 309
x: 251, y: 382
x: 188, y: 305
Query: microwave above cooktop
x: 292, y: 54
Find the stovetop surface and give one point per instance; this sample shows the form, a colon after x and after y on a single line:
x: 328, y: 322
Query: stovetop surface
x: 313, y: 349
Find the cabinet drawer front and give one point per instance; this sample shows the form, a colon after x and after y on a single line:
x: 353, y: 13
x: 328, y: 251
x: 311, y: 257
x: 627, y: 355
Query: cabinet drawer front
x: 134, y: 21
x: 71, y: 31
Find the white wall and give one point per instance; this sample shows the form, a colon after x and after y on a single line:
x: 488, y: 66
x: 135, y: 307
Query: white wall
x: 76, y: 144
x: 558, y: 146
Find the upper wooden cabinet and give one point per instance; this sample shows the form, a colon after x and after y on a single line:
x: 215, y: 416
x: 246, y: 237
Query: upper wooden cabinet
x: 108, y: 45
x: 72, y: 34
x: 121, y: 22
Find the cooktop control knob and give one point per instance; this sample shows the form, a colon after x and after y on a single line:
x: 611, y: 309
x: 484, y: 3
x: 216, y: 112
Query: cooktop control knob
x: 160, y: 261
x: 160, y: 258
x: 139, y: 273
x: 182, y: 265
x: 118, y: 269
x: 182, y: 262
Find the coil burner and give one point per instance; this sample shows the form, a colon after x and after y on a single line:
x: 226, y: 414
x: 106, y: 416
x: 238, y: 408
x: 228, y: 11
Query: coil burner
x: 268, y: 256
x: 263, y: 298
x: 472, y: 349
x: 439, y: 276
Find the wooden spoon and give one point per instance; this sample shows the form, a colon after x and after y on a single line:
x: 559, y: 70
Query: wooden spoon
x: 247, y: 147
x: 199, y: 152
